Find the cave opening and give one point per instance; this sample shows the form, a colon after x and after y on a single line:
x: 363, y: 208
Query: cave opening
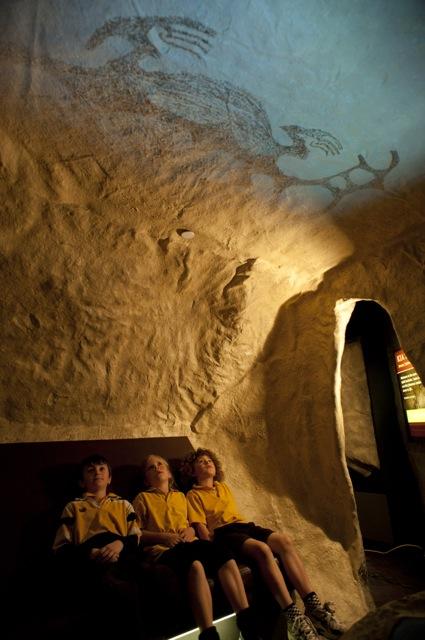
x: 379, y: 450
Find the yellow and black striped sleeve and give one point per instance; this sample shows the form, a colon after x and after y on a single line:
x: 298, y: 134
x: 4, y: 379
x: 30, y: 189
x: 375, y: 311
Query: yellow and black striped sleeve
x: 133, y: 528
x: 65, y: 532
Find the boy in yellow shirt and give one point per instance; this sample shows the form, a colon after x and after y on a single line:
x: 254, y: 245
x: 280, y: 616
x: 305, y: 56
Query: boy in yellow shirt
x: 94, y: 543
x: 169, y: 539
x: 213, y: 513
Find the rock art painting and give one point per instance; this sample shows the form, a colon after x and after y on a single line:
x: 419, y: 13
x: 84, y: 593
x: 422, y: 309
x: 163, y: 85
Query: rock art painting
x: 236, y: 119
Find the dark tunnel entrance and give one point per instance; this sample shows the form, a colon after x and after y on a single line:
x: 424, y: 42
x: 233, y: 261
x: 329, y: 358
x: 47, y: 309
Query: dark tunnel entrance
x: 379, y: 455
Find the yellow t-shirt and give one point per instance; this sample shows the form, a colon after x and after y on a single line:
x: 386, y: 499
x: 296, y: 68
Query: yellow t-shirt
x: 214, y: 506
x: 161, y: 513
x: 85, y: 517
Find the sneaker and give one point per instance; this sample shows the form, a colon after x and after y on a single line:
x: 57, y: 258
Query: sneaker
x: 325, y: 622
x: 301, y: 628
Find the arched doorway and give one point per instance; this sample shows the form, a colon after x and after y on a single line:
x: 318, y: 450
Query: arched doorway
x: 387, y: 494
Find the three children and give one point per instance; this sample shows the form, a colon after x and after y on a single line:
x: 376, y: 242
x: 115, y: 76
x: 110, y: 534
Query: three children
x: 213, y: 512
x: 195, y: 537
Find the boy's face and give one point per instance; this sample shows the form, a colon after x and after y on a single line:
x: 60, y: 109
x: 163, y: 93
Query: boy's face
x: 157, y: 471
x: 204, y: 468
x: 96, y: 477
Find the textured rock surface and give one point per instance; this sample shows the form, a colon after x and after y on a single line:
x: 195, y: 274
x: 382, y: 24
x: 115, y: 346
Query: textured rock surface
x: 115, y: 325
x: 360, y: 444
x: 381, y: 623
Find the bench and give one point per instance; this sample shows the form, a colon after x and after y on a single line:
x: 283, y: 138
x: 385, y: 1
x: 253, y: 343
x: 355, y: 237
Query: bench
x: 39, y: 479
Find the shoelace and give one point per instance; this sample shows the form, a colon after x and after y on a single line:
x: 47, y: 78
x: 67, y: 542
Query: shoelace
x: 327, y: 613
x: 325, y: 610
x: 301, y: 623
x: 330, y: 606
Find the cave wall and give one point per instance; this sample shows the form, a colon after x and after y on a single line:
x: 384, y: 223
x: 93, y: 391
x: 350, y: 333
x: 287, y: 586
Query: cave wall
x: 285, y: 138
x: 360, y: 442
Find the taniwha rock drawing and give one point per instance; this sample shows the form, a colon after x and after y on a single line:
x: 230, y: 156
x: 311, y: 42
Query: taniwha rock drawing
x: 236, y: 119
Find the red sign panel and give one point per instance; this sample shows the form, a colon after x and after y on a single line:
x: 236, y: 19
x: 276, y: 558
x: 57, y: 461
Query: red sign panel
x: 413, y: 394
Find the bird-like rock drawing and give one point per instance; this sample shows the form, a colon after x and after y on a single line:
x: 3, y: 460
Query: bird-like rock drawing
x: 234, y: 117
x: 239, y: 117
x: 197, y: 97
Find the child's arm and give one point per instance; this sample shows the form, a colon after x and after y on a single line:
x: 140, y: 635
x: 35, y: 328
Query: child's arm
x: 165, y: 538
x: 108, y: 553
x: 149, y: 537
x: 63, y: 544
x: 197, y: 517
x: 202, y: 531
x: 188, y: 534
x: 131, y: 540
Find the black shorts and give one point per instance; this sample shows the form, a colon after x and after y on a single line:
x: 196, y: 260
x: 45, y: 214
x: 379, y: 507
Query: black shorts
x: 180, y: 558
x: 235, y: 534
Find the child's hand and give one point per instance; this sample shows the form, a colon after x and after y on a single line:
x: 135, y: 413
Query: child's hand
x: 188, y: 534
x: 171, y: 539
x: 110, y: 552
x: 203, y: 531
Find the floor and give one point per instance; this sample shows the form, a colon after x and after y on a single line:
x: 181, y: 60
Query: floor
x: 395, y: 573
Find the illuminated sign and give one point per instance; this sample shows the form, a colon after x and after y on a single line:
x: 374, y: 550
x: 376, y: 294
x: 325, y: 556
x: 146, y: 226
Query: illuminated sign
x: 413, y: 394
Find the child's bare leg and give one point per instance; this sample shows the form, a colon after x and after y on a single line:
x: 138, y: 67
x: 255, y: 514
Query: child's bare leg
x: 282, y: 546
x: 231, y: 582
x: 200, y: 596
x: 233, y: 587
x: 262, y: 554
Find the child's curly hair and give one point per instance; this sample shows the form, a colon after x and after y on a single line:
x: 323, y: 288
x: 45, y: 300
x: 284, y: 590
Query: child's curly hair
x: 186, y: 470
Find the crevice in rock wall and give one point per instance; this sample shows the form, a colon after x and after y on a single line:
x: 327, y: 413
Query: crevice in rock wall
x: 198, y: 417
x: 183, y: 277
x: 163, y: 244
x: 242, y: 273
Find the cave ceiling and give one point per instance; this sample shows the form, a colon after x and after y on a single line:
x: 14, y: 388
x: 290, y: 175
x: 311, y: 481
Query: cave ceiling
x: 174, y: 173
